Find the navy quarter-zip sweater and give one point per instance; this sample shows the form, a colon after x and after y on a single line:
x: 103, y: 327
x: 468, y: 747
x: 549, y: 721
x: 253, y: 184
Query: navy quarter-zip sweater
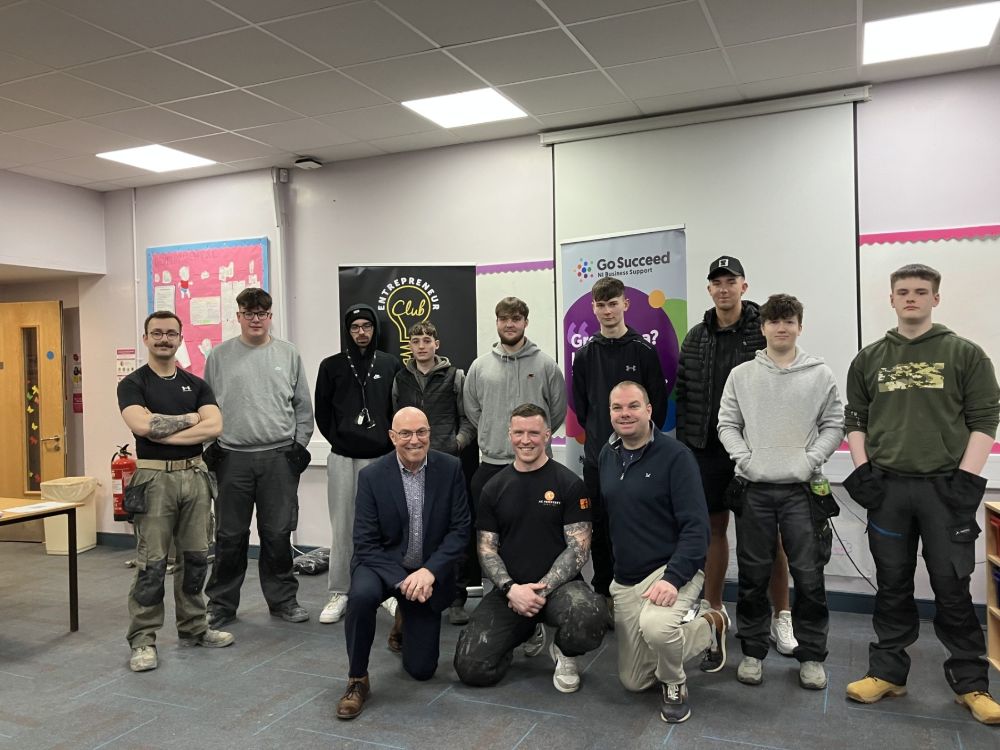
x: 656, y: 511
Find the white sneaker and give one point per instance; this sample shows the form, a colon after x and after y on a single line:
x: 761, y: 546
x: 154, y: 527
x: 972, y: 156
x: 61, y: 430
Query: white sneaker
x: 534, y: 645
x: 565, y: 677
x: 783, y: 634
x: 389, y: 605
x: 334, y: 609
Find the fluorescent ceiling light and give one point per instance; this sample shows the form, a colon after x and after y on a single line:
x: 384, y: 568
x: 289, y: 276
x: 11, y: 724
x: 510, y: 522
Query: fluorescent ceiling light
x: 467, y: 108
x: 932, y: 33
x: 156, y: 158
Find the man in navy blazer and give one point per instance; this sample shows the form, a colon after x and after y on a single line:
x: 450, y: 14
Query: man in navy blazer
x: 411, y: 525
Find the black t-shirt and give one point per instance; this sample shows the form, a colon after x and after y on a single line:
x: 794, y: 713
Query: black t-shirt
x: 181, y: 394
x: 529, y: 510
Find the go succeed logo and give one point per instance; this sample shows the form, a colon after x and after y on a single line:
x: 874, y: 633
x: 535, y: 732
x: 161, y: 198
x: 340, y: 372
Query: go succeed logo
x: 620, y: 266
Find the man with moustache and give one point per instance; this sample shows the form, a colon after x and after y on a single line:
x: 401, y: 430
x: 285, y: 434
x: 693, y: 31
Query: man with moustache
x: 353, y: 412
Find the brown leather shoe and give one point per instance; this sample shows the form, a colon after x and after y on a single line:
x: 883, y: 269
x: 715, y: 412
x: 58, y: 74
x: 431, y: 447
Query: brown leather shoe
x: 352, y: 703
x: 395, y: 641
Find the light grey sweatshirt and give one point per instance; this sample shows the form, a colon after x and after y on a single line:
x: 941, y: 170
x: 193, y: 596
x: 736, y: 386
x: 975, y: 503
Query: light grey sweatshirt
x: 497, y: 382
x: 263, y: 394
x: 781, y: 424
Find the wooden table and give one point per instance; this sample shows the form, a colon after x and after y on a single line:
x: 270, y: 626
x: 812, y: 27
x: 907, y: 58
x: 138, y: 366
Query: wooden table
x: 67, y: 509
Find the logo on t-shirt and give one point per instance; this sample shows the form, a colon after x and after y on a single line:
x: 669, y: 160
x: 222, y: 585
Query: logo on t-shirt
x: 549, y: 498
x: 584, y: 503
x: 909, y: 375
x: 186, y: 388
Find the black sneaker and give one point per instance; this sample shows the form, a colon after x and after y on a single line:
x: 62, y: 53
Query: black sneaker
x: 674, y: 709
x: 219, y: 619
x: 291, y: 612
x: 715, y: 655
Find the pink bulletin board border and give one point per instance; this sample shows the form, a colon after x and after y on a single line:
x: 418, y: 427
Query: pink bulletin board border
x: 930, y: 235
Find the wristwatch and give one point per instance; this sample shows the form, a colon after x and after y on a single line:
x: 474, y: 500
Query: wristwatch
x: 505, y: 589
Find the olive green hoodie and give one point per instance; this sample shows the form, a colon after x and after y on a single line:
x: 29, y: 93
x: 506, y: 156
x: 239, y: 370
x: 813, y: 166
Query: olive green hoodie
x: 918, y: 400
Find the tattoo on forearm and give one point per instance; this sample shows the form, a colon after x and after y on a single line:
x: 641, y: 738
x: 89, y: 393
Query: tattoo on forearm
x: 572, y: 559
x: 489, y: 558
x: 164, y: 425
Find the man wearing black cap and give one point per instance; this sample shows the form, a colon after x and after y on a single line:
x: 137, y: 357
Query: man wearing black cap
x: 353, y: 411
x: 729, y: 334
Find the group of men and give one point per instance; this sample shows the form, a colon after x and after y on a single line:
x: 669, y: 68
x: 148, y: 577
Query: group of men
x: 757, y: 419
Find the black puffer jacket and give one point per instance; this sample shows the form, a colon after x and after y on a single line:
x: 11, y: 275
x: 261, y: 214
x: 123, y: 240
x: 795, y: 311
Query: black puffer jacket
x: 694, y: 391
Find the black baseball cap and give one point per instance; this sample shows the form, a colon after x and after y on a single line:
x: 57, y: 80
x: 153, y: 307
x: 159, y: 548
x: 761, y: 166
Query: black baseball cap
x: 725, y: 264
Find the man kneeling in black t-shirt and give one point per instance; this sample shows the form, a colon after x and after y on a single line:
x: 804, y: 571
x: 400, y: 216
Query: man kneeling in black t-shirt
x: 534, y: 529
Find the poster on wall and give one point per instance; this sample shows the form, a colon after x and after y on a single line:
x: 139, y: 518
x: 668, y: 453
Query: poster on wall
x: 404, y: 295
x: 652, y: 265
x: 199, y: 283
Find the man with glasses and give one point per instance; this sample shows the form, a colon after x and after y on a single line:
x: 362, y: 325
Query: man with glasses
x: 264, y: 397
x: 171, y: 413
x: 353, y: 411
x: 412, y: 526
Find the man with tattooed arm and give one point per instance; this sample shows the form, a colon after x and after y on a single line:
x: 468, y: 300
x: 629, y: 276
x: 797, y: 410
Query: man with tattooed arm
x: 534, y: 531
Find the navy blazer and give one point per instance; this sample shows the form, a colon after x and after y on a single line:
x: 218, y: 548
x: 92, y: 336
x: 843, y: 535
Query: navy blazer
x: 382, y: 522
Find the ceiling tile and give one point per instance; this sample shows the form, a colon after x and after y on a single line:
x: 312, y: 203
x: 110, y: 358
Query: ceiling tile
x: 577, y: 91
x: 874, y: 10
x: 578, y: 117
x: 386, y: 121
x: 77, y: 136
x: 718, y: 97
x: 158, y: 125
x: 232, y: 109
x: 268, y: 10
x: 417, y: 141
x: 224, y: 147
x: 104, y: 186
x: 65, y: 41
x: 348, y: 35
x: 298, y: 135
x: 181, y: 175
x: 570, y: 11
x: 263, y: 162
x: 243, y: 57
x: 489, y: 131
x: 14, y: 116
x: 68, y: 96
x: 450, y: 22
x: 13, y: 68
x: 52, y: 175
x: 926, y: 66
x: 793, y: 55
x: 319, y: 94
x: 827, y: 79
x: 661, y: 32
x: 14, y: 150
x: 522, y: 58
x: 91, y: 168
x: 347, y: 152
x: 416, y: 77
x: 153, y: 22
x: 740, y: 21
x: 150, y: 77
x: 673, y: 75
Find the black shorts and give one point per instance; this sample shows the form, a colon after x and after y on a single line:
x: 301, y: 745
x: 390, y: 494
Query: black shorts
x: 717, y: 471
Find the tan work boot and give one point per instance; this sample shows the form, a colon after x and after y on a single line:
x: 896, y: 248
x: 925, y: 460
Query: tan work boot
x: 872, y: 689
x: 984, y: 709
x: 395, y: 640
x: 352, y: 703
x: 143, y: 659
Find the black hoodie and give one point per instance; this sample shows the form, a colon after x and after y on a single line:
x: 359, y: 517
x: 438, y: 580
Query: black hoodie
x: 340, y: 396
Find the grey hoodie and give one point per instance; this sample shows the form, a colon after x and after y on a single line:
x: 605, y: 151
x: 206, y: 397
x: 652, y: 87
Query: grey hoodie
x: 497, y: 382
x: 781, y: 424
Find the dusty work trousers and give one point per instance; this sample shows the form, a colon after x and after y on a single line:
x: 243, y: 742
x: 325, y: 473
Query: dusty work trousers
x: 179, y: 508
x: 653, y: 643
x: 912, y: 509
x: 341, y: 492
x: 485, y: 648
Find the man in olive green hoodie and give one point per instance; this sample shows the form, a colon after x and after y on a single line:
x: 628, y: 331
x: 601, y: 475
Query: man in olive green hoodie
x: 921, y: 418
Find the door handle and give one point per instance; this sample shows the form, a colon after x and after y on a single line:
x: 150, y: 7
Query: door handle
x: 57, y: 438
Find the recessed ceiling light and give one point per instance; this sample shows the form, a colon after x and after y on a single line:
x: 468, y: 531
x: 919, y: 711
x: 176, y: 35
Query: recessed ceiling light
x: 467, y: 108
x: 931, y: 33
x: 156, y: 158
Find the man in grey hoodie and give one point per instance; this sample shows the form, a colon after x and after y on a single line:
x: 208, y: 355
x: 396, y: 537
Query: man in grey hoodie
x: 780, y: 420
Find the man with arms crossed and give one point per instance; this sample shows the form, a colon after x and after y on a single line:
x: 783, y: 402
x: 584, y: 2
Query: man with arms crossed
x: 171, y: 413
x: 780, y: 420
x: 410, y: 527
x: 615, y: 354
x: 264, y: 397
x: 922, y: 413
x: 659, y: 534
x: 534, y: 538
x: 729, y: 334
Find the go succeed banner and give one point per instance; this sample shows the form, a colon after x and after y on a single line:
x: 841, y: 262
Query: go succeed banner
x: 652, y: 265
x: 404, y: 295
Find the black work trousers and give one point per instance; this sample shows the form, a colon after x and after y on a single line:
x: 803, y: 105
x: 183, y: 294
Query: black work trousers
x: 265, y: 480
x: 912, y: 509
x: 767, y: 509
x: 601, y: 555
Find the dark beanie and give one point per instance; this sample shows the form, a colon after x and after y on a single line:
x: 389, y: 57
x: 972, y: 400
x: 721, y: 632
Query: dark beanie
x: 354, y: 313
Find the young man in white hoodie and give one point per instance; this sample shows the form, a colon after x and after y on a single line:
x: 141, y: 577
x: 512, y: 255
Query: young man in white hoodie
x: 781, y: 418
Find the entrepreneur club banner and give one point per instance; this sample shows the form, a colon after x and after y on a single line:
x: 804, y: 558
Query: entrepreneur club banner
x: 652, y: 265
x: 404, y: 295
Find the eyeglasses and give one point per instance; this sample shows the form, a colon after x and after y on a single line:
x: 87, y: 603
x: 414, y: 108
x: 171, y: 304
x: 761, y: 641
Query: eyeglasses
x: 157, y: 334
x: 359, y: 327
x: 422, y: 433
x: 254, y: 314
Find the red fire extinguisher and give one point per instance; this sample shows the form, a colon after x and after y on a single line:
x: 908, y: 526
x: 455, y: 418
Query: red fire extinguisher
x: 122, y: 469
